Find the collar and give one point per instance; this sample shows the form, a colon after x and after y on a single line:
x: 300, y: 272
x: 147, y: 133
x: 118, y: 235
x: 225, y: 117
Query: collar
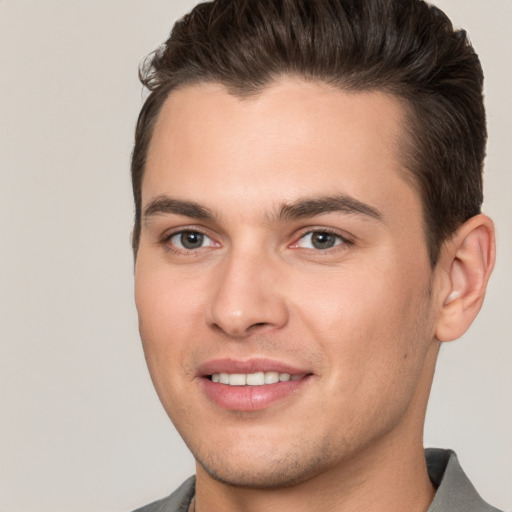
x: 455, y: 493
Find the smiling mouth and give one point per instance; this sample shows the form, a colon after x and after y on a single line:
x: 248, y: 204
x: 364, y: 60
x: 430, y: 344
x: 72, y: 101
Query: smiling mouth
x: 253, y: 379
x: 250, y: 386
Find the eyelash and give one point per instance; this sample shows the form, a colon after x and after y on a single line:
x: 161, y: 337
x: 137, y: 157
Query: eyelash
x: 166, y: 242
x: 344, y: 244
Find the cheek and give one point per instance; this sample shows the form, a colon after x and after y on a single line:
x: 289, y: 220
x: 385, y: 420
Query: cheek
x: 369, y: 322
x: 166, y: 300
x: 375, y: 347
x: 170, y: 313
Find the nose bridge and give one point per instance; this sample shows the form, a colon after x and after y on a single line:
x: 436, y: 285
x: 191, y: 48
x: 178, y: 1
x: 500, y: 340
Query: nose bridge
x: 246, y: 294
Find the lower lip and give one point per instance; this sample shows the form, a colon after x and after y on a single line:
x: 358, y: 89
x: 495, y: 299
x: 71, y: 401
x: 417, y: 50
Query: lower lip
x: 250, y: 398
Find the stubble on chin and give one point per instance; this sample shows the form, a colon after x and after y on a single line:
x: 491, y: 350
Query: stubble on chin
x: 273, y: 470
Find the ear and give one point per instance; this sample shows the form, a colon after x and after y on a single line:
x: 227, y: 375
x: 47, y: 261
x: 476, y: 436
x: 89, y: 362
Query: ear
x: 467, y: 261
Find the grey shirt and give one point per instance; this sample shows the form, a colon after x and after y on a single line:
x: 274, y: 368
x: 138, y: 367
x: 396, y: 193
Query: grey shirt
x: 455, y: 493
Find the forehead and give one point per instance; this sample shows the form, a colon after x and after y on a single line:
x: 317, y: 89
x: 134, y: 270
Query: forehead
x: 293, y: 138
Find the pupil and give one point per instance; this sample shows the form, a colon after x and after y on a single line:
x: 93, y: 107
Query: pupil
x: 191, y: 240
x: 323, y: 240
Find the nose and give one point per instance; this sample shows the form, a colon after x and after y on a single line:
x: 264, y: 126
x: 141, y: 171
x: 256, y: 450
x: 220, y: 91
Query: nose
x: 246, y: 297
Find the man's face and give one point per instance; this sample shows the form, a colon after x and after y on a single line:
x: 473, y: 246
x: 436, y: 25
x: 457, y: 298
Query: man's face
x: 280, y: 241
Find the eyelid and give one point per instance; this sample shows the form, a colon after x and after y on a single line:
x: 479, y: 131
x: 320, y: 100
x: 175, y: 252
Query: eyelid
x: 345, y: 239
x: 168, y: 235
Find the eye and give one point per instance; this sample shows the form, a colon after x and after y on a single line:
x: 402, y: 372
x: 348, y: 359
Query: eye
x: 190, y: 240
x: 319, y: 240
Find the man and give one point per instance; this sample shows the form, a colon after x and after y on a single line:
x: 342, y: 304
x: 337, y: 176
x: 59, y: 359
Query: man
x: 307, y: 182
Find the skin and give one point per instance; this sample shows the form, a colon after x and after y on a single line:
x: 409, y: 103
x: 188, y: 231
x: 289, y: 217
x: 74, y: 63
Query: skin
x: 363, y: 317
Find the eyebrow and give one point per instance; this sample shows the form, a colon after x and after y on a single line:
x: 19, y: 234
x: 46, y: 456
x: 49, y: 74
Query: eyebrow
x: 162, y: 205
x: 300, y: 209
x: 311, y: 207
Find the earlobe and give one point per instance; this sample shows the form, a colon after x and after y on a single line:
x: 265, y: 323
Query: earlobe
x: 468, y: 259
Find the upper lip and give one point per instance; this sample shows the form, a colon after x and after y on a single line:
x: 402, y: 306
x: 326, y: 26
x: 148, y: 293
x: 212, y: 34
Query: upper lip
x: 228, y: 365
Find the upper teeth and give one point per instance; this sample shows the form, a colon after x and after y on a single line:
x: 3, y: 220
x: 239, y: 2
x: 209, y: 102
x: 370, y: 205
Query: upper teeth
x: 253, y: 379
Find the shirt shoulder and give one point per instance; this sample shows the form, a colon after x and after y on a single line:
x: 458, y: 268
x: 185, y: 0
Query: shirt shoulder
x: 178, y: 501
x: 455, y: 493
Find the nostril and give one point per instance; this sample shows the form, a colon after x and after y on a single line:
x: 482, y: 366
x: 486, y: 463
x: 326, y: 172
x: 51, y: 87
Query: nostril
x: 257, y: 326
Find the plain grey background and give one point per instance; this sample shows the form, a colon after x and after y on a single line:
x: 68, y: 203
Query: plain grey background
x: 81, y: 428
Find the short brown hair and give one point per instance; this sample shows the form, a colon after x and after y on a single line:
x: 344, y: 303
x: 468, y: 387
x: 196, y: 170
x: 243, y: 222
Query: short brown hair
x: 404, y: 47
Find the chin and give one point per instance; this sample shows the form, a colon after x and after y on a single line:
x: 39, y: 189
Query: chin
x: 269, y: 470
x: 259, y: 478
